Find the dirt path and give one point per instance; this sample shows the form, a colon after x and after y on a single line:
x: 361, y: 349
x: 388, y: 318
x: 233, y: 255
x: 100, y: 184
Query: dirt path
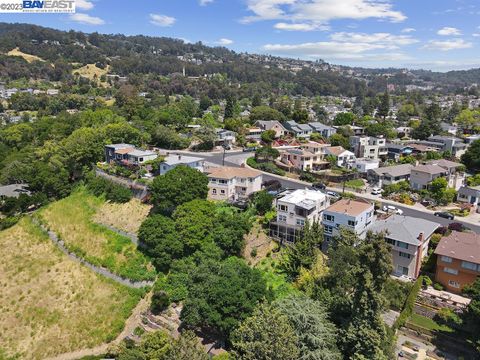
x: 132, y: 322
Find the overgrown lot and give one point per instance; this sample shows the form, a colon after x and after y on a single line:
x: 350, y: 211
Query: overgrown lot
x: 73, y: 220
x: 50, y: 304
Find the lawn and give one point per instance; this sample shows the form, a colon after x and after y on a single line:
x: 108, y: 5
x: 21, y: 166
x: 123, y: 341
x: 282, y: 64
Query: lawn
x: 428, y: 323
x: 72, y: 219
x: 50, y: 304
x: 126, y: 217
x: 355, y: 184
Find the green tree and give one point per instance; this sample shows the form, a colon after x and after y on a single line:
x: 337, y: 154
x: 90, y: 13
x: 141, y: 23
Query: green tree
x: 178, y: 186
x: 222, y: 297
x: 265, y: 113
x: 256, y: 100
x: 263, y: 202
x: 230, y: 107
x: 473, y: 310
x: 345, y: 118
x: 268, y: 136
x: 187, y: 347
x: 471, y: 158
x: 266, y: 335
x: 340, y: 140
x: 384, y: 106
x: 317, y: 336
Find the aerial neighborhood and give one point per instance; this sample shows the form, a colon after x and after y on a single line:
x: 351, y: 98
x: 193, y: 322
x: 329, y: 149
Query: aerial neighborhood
x: 170, y: 200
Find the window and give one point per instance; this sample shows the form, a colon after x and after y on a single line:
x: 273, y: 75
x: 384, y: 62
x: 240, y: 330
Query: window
x: 402, y: 245
x: 446, y: 259
x: 214, y: 191
x: 282, y: 218
x: 330, y: 218
x: 328, y: 229
x: 222, y: 192
x: 469, y: 266
x: 390, y: 241
x: 450, y: 271
x: 300, y: 222
x: 282, y: 207
x: 141, y: 159
x: 221, y: 181
x: 352, y: 223
x: 404, y: 255
x: 454, y: 284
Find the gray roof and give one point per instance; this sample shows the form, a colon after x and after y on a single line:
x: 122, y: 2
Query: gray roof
x: 397, y: 170
x: 319, y: 126
x: 405, y: 228
x: 444, y: 163
x: 430, y: 169
x: 14, y: 190
x: 137, y: 152
x: 267, y: 124
x: 175, y: 159
x: 120, y: 146
x: 469, y: 190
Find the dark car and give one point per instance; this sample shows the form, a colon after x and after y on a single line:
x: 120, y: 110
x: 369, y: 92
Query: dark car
x: 445, y: 215
x: 272, y: 185
x: 319, y: 186
x: 250, y: 149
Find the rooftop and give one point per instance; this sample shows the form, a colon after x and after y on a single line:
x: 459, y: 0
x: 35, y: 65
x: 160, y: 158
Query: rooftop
x: 444, y: 163
x: 306, y: 198
x: 397, y: 170
x: 137, y: 153
x: 177, y: 159
x: 405, y: 228
x: 14, y: 190
x: 460, y: 245
x: 350, y: 207
x: 430, y: 169
x: 226, y: 172
x: 335, y: 150
x: 121, y: 146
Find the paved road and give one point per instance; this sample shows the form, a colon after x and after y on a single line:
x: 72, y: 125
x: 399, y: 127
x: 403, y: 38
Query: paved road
x: 236, y: 158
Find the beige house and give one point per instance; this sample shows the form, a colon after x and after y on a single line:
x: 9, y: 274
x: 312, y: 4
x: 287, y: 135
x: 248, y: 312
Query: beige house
x: 304, y: 160
x: 232, y: 184
x: 421, y: 176
x: 274, y: 125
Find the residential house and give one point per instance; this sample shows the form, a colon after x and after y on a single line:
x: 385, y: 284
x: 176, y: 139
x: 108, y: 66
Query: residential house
x: 324, y: 130
x: 127, y: 154
x: 53, y: 92
x: 365, y: 165
x: 390, y: 175
x: 458, y: 260
x: 344, y: 157
x: 357, y: 130
x: 470, y: 195
x: 232, y: 184
x: 421, y: 149
x: 449, y: 128
x: 294, y: 209
x: 355, y: 215
x: 369, y: 147
x: 174, y: 160
x: 225, y: 137
x: 422, y: 175
x: 303, y: 160
x: 409, y: 238
x: 406, y: 130
x: 298, y: 130
x: 274, y: 125
x: 254, y: 134
x: 455, y: 178
x: 396, y: 151
x: 452, y: 144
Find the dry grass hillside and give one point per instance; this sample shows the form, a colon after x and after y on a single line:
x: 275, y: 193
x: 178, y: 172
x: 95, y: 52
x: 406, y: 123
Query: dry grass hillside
x: 28, y: 57
x: 50, y: 304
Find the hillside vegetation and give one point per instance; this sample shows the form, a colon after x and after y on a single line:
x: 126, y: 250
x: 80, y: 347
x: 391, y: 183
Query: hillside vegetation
x: 72, y: 219
x: 50, y: 304
x: 28, y: 57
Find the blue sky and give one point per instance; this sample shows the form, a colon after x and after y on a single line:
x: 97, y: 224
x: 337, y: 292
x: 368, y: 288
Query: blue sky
x: 432, y: 34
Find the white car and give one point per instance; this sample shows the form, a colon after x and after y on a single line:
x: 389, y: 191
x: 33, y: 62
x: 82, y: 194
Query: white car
x: 376, y: 191
x: 393, y: 209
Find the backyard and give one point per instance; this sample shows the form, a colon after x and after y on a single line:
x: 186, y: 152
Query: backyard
x: 73, y: 220
x: 50, y: 304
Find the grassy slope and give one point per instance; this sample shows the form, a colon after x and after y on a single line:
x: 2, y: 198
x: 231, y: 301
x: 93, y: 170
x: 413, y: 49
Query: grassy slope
x: 28, y: 57
x: 72, y: 219
x: 50, y: 304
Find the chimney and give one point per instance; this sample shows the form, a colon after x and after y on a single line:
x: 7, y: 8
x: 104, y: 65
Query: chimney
x: 421, y: 237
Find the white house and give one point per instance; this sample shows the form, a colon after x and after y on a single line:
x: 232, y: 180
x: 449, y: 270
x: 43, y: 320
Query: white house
x: 344, y: 157
x: 355, y: 215
x: 173, y: 160
x: 364, y: 165
x: 369, y: 147
x: 232, y: 184
x: 294, y: 209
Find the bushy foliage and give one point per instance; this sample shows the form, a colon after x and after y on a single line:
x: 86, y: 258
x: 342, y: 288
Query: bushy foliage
x: 113, y: 192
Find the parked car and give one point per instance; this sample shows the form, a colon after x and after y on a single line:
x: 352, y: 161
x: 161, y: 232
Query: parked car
x: 376, y: 191
x: 250, y: 149
x: 319, y: 186
x: 392, y: 209
x: 333, y: 194
x: 445, y: 215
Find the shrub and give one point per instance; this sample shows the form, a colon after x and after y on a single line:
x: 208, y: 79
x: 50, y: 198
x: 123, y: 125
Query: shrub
x: 253, y: 253
x: 409, y: 304
x: 160, y: 301
x: 438, y: 286
x: 456, y: 227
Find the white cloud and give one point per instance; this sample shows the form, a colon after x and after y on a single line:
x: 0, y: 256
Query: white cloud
x: 83, y: 5
x: 320, y: 12
x: 224, y: 42
x: 162, y: 20
x: 387, y: 40
x: 449, y: 31
x: 476, y: 35
x: 298, y: 26
x: 408, y: 30
x: 86, y: 19
x: 447, y: 45
x: 205, y: 2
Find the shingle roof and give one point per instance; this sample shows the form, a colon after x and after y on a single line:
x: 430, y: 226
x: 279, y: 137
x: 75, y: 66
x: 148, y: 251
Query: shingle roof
x: 121, y: 146
x: 350, y: 207
x: 397, y: 170
x: 226, y: 172
x: 174, y: 159
x: 405, y: 228
x: 460, y: 245
x: 430, y: 169
x: 335, y: 150
x: 444, y: 163
x: 14, y: 190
